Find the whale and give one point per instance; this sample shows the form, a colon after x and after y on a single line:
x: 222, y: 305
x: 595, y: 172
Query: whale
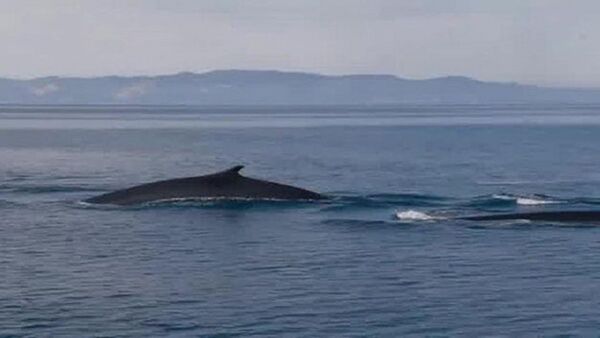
x: 566, y: 216
x: 227, y: 184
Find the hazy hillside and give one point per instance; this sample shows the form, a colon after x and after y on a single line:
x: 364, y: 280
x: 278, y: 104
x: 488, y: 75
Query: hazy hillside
x: 238, y: 87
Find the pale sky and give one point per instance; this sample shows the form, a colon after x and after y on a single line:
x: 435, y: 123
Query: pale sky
x: 548, y: 42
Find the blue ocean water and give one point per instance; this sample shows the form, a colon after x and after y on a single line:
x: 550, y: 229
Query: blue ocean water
x: 383, y: 257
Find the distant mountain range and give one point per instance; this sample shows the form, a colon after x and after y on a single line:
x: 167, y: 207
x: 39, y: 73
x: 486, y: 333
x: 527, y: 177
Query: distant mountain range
x: 249, y: 87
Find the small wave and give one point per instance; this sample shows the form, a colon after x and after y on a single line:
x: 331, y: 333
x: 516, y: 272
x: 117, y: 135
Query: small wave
x: 41, y: 189
x: 340, y: 202
x: 587, y: 200
x: 406, y: 196
x: 502, y: 183
x: 413, y: 215
x: 496, y: 201
x: 7, y: 204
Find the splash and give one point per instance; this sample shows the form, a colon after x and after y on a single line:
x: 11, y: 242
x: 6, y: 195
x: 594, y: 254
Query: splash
x: 413, y: 215
x: 526, y: 200
x: 534, y: 201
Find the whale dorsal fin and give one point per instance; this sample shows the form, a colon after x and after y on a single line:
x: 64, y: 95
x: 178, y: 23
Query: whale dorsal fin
x: 232, y: 171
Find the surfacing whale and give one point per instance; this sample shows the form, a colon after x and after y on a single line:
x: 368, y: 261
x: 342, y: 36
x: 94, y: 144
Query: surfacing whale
x: 228, y: 184
x: 568, y: 216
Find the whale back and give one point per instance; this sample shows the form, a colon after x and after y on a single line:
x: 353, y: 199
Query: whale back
x: 549, y: 216
x: 225, y: 184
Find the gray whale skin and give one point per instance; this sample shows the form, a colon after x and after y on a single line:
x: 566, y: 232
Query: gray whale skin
x: 549, y: 216
x: 228, y: 184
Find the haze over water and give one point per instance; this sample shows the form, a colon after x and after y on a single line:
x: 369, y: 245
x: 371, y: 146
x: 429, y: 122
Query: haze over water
x: 383, y: 257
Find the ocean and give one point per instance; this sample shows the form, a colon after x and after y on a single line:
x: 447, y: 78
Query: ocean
x: 384, y: 256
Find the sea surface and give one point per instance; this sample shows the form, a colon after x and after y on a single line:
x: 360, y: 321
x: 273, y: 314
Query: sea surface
x: 385, y: 256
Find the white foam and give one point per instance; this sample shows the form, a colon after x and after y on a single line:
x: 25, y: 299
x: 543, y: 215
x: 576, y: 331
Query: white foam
x: 224, y: 199
x: 503, y: 197
x: 529, y: 200
x: 534, y: 201
x: 413, y: 215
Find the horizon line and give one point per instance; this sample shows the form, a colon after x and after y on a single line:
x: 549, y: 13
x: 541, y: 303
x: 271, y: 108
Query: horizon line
x: 299, y: 72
